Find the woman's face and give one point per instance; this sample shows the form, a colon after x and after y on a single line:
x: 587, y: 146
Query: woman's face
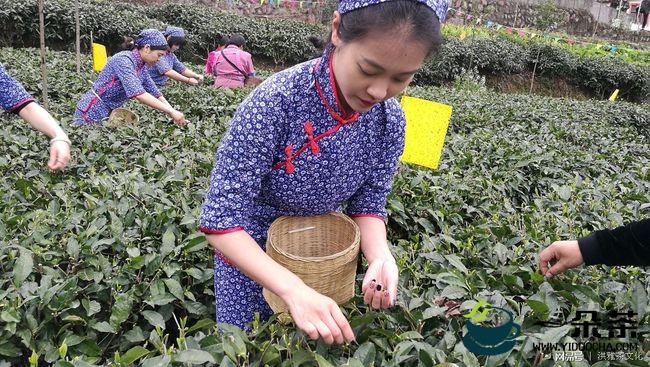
x: 151, y: 56
x: 375, y: 68
x: 174, y: 48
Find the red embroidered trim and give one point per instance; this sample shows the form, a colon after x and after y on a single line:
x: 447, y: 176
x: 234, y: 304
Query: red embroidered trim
x: 288, y: 165
x: 138, y: 58
x: 335, y: 115
x: 20, y: 104
x: 93, y: 101
x: 366, y: 215
x: 222, y: 257
x: 220, y: 231
x: 309, y: 129
x: 353, y: 114
x: 304, y: 147
x: 311, y: 141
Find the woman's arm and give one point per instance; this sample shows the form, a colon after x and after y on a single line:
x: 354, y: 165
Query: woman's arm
x: 190, y: 74
x: 163, y: 106
x: 624, y: 245
x: 177, y: 66
x: 186, y: 77
x: 42, y: 121
x: 382, y: 268
x: 312, y: 312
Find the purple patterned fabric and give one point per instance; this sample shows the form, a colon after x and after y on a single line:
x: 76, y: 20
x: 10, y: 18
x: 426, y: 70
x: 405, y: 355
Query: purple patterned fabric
x: 123, y: 77
x: 237, y: 296
x: 166, y: 63
x: 174, y: 32
x: 151, y: 37
x: 333, y: 165
x: 438, y: 6
x: 12, y: 94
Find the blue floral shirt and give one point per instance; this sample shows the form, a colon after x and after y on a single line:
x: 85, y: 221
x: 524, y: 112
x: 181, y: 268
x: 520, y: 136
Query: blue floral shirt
x: 290, y: 150
x: 13, y: 95
x: 123, y: 77
x: 166, y: 63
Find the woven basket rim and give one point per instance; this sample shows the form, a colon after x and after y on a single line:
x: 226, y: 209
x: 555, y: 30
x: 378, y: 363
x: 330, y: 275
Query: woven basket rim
x: 351, y: 247
x: 123, y: 111
x: 334, y: 274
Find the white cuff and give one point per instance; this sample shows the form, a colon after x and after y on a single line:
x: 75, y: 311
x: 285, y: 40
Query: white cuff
x: 60, y: 138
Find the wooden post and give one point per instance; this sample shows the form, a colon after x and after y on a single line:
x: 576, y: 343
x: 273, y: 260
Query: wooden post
x: 41, y: 18
x: 532, y: 80
x: 78, y: 36
x: 92, y: 51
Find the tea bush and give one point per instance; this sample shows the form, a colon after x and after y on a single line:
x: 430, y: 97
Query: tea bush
x: 286, y: 42
x: 102, y: 264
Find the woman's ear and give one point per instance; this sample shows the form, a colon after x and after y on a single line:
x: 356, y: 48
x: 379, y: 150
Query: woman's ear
x: 336, y: 24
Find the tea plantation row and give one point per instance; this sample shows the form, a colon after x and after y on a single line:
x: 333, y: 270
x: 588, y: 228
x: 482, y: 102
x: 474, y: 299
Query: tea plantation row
x: 102, y: 264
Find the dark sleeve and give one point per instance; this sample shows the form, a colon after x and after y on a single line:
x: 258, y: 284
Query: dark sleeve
x: 626, y: 245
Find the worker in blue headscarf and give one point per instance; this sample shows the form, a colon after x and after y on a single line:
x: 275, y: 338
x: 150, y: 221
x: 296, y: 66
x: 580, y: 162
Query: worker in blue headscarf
x: 169, y: 66
x: 125, y: 77
x: 325, y: 135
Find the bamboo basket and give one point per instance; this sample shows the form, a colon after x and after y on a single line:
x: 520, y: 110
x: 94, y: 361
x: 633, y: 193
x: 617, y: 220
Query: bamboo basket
x: 121, y: 117
x: 321, y: 250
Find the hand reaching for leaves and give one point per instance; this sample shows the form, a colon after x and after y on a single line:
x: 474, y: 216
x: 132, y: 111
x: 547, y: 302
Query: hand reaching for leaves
x: 561, y: 256
x: 318, y: 316
x: 379, y: 285
x: 59, y: 155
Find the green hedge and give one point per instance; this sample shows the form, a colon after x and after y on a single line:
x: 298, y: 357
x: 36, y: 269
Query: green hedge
x: 286, y: 42
x: 282, y: 41
x: 107, y: 21
x: 600, y: 75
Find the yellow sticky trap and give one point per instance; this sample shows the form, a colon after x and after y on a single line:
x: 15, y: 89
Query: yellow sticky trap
x: 99, y: 57
x: 426, y: 127
x: 614, y: 95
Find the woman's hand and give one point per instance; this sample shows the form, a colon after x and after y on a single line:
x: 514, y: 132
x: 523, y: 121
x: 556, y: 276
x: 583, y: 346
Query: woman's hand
x: 178, y: 117
x: 379, y: 285
x: 59, y: 155
x: 318, y: 315
x: 559, y: 257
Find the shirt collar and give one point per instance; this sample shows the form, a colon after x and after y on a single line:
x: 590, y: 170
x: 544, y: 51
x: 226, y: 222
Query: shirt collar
x: 324, y: 77
x: 138, y: 59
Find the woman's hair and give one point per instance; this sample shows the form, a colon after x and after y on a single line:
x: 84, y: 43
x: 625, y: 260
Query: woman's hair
x: 237, y: 40
x: 222, y: 41
x: 408, y: 18
x: 157, y: 48
x: 175, y: 41
x: 317, y: 42
x: 128, y: 43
